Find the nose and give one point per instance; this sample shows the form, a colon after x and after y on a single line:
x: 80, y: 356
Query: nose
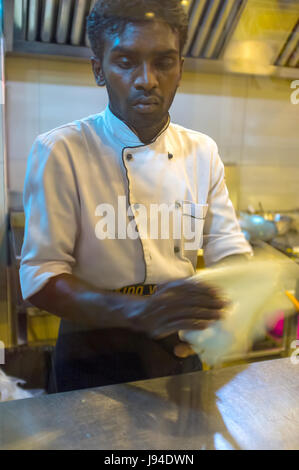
x: 146, y: 78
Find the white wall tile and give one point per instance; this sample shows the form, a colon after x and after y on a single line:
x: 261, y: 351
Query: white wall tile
x: 251, y: 119
x: 60, y: 104
x: 271, y: 156
x: 16, y: 174
x: 197, y: 112
x: 230, y: 154
x: 274, y: 188
x: 272, y: 121
x: 68, y: 91
x: 23, y: 118
x: 213, y: 104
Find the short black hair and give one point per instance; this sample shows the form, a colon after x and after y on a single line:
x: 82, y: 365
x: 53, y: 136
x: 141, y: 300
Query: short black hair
x: 110, y: 17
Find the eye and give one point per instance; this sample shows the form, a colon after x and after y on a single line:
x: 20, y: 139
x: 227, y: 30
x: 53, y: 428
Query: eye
x: 124, y: 62
x: 165, y: 62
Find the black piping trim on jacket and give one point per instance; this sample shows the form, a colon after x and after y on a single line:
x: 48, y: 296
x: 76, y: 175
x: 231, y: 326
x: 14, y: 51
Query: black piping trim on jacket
x: 128, y: 180
x: 129, y: 201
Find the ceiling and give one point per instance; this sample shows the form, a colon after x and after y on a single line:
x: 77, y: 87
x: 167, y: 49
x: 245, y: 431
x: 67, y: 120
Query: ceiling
x: 239, y: 36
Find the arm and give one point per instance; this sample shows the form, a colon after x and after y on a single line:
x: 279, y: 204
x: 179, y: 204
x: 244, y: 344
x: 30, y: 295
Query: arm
x: 74, y: 300
x: 52, y: 215
x: 175, y: 306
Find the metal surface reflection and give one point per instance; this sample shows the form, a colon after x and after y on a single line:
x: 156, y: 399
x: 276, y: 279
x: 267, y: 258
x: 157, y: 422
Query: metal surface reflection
x: 251, y: 406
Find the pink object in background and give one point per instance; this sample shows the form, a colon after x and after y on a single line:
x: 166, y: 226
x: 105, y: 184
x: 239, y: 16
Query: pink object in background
x: 276, y: 327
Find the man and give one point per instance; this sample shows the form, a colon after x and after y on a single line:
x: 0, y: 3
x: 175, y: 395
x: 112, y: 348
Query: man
x: 126, y: 157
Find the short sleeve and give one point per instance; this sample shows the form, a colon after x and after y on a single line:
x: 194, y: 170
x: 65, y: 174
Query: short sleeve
x: 51, y: 205
x: 222, y: 234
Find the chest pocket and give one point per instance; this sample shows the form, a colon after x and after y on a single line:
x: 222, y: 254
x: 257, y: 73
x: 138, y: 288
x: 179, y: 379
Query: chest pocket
x: 193, y: 217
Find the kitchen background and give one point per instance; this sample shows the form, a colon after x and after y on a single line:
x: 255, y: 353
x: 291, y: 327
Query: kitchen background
x: 239, y: 95
x: 252, y: 119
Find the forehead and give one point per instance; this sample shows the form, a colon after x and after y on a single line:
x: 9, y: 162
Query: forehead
x: 148, y: 37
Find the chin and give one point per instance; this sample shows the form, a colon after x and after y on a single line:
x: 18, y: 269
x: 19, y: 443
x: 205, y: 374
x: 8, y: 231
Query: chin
x: 145, y: 118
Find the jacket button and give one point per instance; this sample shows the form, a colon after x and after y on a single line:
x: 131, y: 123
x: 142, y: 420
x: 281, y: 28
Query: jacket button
x: 129, y: 156
x: 170, y: 156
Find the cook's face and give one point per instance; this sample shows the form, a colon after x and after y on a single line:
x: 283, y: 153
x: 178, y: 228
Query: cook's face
x: 142, y: 69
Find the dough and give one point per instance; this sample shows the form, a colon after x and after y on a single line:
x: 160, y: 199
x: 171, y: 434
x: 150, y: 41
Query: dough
x: 256, y: 290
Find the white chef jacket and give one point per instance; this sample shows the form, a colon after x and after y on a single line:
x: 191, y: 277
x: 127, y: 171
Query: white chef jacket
x: 78, y: 166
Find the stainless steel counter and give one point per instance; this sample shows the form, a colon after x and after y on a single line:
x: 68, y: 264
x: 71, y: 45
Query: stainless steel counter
x: 253, y: 406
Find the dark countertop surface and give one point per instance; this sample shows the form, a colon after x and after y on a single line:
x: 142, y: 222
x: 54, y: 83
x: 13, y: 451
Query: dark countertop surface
x: 251, y: 406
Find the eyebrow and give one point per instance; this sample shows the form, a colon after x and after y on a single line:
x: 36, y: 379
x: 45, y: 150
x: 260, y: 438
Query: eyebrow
x: 125, y: 50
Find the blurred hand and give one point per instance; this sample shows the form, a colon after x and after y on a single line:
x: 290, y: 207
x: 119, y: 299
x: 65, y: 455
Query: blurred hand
x: 178, y: 305
x: 183, y: 350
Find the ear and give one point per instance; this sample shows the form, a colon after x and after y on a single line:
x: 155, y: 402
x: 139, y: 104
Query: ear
x: 98, y: 71
x: 181, y: 68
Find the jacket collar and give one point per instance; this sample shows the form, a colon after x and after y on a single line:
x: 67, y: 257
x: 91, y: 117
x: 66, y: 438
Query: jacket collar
x: 122, y: 133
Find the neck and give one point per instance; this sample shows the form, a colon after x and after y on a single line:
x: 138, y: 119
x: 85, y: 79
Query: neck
x: 145, y: 134
x: 148, y: 134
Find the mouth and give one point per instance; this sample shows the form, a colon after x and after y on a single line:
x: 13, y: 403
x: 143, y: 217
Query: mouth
x: 146, y: 105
